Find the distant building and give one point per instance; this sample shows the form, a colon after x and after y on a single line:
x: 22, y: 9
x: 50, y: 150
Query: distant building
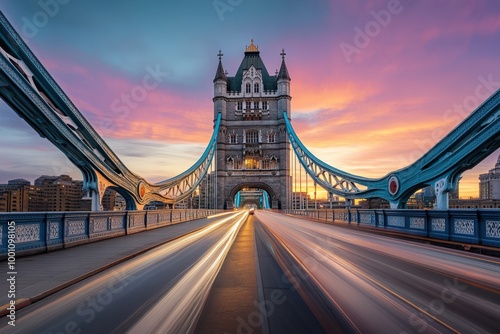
x: 18, y: 196
x: 49, y: 193
x: 475, y: 203
x: 489, y: 183
x: 375, y: 203
x: 426, y: 198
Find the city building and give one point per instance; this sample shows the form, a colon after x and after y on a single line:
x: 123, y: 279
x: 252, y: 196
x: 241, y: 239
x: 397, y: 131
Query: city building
x: 49, y: 193
x: 19, y: 196
x: 489, y: 183
x: 474, y: 203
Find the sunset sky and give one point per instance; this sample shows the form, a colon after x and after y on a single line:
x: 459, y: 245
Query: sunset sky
x: 367, y: 103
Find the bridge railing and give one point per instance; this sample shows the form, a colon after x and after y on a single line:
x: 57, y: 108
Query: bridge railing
x: 45, y: 231
x: 481, y: 227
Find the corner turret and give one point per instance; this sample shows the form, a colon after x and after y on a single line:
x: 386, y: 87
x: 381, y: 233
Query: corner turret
x: 283, y: 81
x: 220, y: 88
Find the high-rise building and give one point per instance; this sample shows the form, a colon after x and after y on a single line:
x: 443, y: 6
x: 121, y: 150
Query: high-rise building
x: 489, y: 183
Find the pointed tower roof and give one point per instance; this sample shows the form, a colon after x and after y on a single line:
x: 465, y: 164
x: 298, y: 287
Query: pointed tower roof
x: 283, y: 73
x: 252, y: 58
x: 498, y: 162
x: 220, y: 74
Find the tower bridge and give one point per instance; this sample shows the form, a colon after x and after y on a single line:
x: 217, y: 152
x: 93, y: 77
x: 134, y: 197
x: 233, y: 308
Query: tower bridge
x: 282, y: 273
x: 252, y: 146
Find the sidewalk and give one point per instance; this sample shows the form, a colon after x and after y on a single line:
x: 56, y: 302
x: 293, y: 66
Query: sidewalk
x: 41, y: 275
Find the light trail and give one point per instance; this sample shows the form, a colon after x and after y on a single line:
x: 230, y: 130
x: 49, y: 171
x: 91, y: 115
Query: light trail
x: 179, y: 309
x: 387, y: 285
x: 118, y: 298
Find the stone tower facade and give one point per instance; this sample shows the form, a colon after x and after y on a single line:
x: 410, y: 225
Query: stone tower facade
x: 253, y: 150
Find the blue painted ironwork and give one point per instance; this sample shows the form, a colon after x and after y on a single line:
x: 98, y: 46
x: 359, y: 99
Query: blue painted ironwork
x: 266, y: 204
x: 27, y: 87
x: 34, y: 95
x: 464, y: 147
x: 237, y: 200
x: 38, y: 232
x: 480, y: 227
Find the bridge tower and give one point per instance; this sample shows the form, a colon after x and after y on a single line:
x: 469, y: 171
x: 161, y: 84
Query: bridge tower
x: 253, y: 149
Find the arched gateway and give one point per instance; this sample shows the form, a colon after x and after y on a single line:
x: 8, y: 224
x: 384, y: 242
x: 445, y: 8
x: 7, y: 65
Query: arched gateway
x: 253, y: 149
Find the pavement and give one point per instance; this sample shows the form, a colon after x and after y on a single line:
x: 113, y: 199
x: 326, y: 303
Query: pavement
x: 41, y: 275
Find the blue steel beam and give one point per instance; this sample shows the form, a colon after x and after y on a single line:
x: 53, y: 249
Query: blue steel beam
x: 28, y: 88
x: 475, y: 138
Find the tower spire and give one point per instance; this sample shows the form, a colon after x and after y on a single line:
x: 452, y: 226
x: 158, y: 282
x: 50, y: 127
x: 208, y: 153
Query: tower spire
x: 220, y: 74
x: 283, y: 74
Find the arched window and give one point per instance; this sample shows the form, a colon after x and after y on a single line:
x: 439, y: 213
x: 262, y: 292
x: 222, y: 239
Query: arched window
x: 230, y: 163
x: 248, y: 88
x: 233, y: 139
x: 256, y: 87
x: 252, y: 137
x: 273, y: 163
x: 271, y: 137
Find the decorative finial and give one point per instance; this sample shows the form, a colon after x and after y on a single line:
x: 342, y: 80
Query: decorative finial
x: 276, y: 72
x: 252, y: 47
x: 220, y: 54
x: 283, y: 54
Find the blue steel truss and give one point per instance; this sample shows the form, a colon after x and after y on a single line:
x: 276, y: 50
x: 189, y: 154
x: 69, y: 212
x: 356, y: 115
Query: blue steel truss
x: 33, y: 94
x: 464, y: 147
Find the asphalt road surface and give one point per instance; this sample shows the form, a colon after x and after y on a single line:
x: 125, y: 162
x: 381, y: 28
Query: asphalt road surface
x: 349, y: 281
x: 377, y: 284
x: 161, y: 291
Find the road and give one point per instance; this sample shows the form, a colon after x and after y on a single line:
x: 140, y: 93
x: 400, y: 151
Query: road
x: 161, y: 291
x: 376, y: 284
x: 314, y: 278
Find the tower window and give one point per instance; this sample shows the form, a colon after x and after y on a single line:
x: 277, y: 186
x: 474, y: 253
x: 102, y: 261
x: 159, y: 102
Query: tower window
x: 248, y: 88
x: 240, y: 105
x: 256, y: 105
x: 252, y: 163
x: 233, y: 138
x: 256, y: 87
x: 248, y: 106
x: 264, y: 105
x: 252, y: 137
x: 272, y: 137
